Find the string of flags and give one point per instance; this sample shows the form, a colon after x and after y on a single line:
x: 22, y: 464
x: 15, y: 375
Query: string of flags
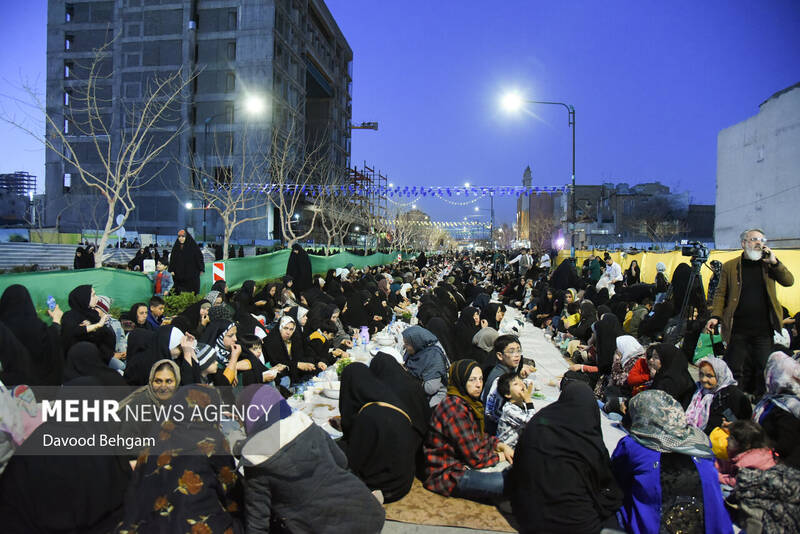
x: 445, y: 224
x: 472, y: 193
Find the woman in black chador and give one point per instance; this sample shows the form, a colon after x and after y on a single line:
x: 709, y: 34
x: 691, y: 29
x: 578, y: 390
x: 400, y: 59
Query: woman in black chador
x: 186, y: 264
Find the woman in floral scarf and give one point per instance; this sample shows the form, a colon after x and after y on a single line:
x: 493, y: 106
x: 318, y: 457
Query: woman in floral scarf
x: 717, y: 392
x: 188, y: 481
x: 779, y: 410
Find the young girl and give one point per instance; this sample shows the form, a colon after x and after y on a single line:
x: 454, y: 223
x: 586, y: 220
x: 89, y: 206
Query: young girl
x: 747, y: 448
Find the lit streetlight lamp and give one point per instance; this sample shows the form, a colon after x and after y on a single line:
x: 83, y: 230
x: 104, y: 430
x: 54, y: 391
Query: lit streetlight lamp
x: 513, y: 102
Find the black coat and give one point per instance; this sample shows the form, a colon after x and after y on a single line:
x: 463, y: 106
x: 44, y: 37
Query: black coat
x: 72, y: 332
x: 305, y: 485
x: 729, y: 397
x: 186, y: 263
x: 299, y: 268
x: 43, y: 342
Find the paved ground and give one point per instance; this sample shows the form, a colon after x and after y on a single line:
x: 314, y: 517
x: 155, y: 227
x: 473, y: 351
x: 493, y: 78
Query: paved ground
x: 550, y: 367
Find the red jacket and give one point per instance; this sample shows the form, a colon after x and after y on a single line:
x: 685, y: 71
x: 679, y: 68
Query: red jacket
x: 455, y: 442
x: 639, y: 376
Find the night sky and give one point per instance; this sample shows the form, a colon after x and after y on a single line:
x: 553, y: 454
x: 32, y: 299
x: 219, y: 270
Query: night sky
x: 652, y: 84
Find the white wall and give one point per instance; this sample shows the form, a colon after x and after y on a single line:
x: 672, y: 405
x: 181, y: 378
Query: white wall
x: 758, y: 174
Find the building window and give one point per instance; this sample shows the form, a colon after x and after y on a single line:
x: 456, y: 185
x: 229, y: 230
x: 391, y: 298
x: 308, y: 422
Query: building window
x: 66, y: 126
x: 68, y: 41
x: 232, y: 20
x: 66, y: 98
x: 232, y: 51
x: 68, y: 12
x: 229, y: 113
x: 222, y: 176
x: 133, y: 59
x: 67, y: 182
x: 67, y: 68
x: 230, y: 82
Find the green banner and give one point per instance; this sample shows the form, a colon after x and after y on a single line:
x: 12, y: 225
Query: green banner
x: 127, y: 288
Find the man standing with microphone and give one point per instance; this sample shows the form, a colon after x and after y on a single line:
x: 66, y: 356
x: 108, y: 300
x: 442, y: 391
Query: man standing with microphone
x: 747, y: 309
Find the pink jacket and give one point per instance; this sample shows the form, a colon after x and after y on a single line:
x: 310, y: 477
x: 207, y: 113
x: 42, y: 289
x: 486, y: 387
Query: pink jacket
x: 761, y: 459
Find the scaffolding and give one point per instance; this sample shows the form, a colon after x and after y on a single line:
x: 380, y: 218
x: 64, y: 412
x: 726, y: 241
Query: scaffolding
x: 368, y: 200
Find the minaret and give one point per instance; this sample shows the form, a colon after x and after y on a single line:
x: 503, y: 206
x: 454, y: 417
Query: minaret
x: 527, y: 178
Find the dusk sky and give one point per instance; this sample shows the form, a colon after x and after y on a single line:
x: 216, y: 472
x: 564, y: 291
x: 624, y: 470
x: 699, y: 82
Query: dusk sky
x: 652, y: 83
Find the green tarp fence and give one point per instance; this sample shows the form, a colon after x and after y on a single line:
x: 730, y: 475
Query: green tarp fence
x: 127, y: 288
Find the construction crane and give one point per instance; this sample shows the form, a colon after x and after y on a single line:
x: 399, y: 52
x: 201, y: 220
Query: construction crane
x: 365, y: 126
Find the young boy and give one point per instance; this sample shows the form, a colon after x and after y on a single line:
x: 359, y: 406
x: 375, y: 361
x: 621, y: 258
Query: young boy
x: 162, y: 279
x: 508, y: 351
x: 517, y: 410
x: 321, y: 343
x: 155, y: 315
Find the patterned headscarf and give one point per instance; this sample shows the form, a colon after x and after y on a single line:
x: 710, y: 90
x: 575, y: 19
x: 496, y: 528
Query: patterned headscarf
x: 782, y: 377
x: 700, y: 406
x: 659, y: 423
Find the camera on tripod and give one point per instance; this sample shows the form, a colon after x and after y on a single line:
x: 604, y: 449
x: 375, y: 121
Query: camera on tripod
x: 695, y: 249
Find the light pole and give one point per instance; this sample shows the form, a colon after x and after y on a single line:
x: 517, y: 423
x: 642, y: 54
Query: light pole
x: 513, y: 102
x: 254, y: 105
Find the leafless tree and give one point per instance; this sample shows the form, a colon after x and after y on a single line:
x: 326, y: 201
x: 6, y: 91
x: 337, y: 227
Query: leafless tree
x: 540, y: 231
x: 126, y: 151
x: 337, y: 214
x: 293, y: 167
x: 237, y: 189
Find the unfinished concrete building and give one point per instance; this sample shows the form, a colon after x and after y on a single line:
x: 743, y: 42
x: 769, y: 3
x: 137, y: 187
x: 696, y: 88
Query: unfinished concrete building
x: 290, y: 53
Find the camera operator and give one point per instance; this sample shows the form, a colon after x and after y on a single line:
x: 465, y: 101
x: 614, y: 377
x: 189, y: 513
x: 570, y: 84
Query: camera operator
x: 747, y: 307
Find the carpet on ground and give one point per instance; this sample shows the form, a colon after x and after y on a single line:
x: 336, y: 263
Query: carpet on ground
x: 424, y: 507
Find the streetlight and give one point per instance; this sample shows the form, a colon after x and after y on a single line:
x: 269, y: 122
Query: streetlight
x: 466, y: 184
x: 254, y: 105
x: 188, y: 205
x: 512, y: 102
x: 413, y: 206
x: 491, y: 218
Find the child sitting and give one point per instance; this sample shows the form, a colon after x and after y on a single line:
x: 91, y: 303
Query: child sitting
x: 747, y: 448
x: 517, y: 410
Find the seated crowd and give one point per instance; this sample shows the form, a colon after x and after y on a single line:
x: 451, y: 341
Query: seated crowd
x: 458, y: 409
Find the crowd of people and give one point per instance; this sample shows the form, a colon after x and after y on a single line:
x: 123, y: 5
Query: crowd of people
x: 457, y: 408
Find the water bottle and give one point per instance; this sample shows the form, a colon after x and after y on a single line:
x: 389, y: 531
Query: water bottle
x: 364, y: 337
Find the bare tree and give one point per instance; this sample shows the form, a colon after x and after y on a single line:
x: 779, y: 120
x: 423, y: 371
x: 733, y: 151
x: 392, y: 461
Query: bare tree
x: 540, y: 231
x: 400, y: 230
x: 337, y: 214
x: 124, y: 147
x: 293, y: 167
x: 657, y: 221
x: 237, y: 188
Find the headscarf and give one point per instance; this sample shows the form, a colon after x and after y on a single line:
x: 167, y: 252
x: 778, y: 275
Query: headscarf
x: 629, y: 348
x: 384, y: 287
x: 607, y: 330
x: 360, y: 386
x: 659, y: 423
x: 223, y: 352
x: 673, y: 377
x: 426, y: 346
x: 84, y: 359
x: 457, y: 386
x: 79, y: 299
x: 561, y: 455
x: 782, y: 377
x: 490, y: 314
x: 438, y: 327
x: 484, y: 339
x: 18, y: 313
x: 406, y: 388
x: 175, y: 370
x: 263, y: 406
x: 700, y: 405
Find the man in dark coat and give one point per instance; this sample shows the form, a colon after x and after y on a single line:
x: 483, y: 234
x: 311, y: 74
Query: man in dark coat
x: 186, y: 264
x: 299, y: 268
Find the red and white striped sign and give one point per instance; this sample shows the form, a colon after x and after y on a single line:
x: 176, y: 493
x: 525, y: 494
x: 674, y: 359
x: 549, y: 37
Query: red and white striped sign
x: 218, y: 270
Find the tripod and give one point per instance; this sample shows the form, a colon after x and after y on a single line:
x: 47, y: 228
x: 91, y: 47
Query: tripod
x: 676, y: 327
